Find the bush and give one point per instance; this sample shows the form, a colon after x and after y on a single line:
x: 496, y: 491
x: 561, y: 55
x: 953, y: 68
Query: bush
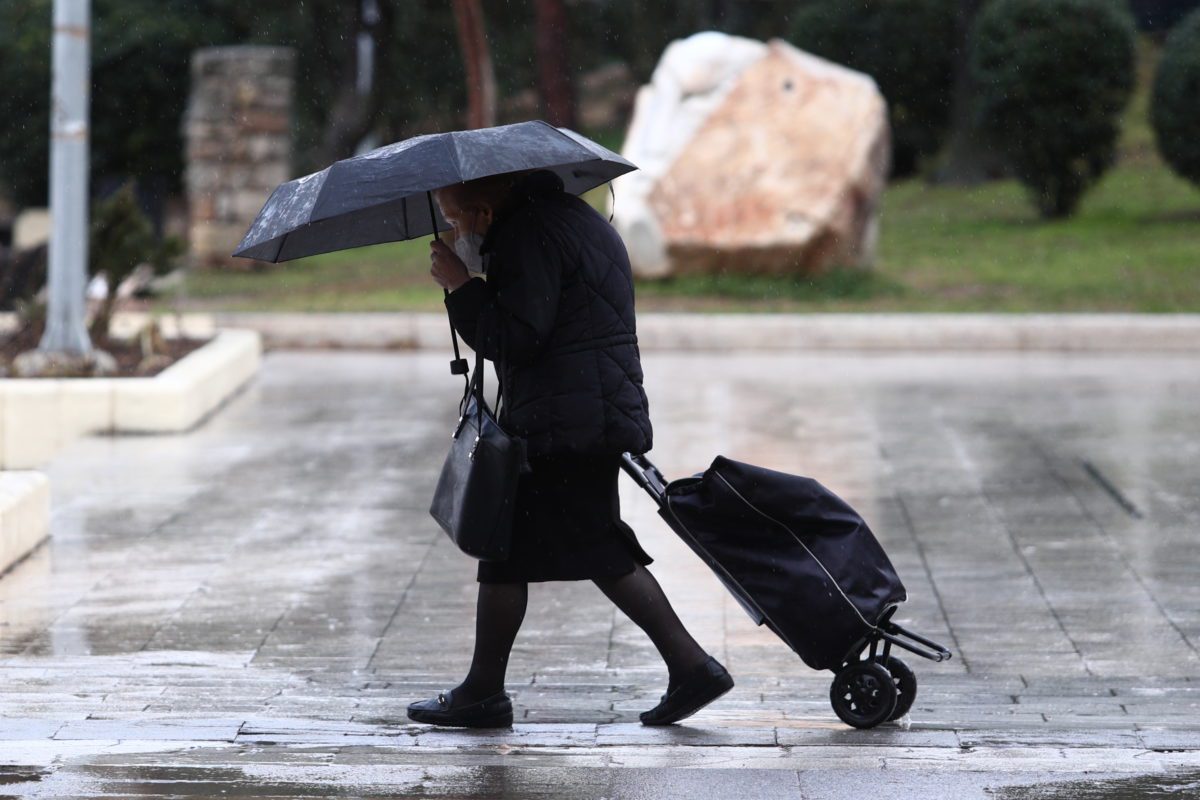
x: 1053, y: 77
x: 1175, y: 113
x: 907, y: 46
x: 121, y: 239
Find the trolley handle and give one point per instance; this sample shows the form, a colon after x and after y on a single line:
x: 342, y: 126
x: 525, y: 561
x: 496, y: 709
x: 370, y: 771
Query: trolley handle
x: 645, y: 475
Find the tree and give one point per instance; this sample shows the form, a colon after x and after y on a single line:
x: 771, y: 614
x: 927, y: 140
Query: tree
x: 140, y: 74
x: 356, y: 97
x: 477, y: 61
x: 1175, y: 113
x: 907, y: 47
x: 968, y: 156
x: 1054, y: 76
x: 141, y: 52
x: 25, y: 100
x: 555, y: 88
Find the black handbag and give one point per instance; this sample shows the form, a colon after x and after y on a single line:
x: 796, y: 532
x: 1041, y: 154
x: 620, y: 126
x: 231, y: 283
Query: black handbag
x: 475, y: 493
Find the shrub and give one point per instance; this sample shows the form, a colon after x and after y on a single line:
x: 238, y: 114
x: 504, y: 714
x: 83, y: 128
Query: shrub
x: 907, y: 46
x: 1053, y: 77
x: 121, y: 239
x: 1175, y: 113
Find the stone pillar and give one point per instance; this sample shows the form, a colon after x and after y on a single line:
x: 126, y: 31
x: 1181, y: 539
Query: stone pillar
x: 238, y: 134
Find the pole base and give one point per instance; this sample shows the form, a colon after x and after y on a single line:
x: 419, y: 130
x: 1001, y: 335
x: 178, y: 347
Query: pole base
x: 50, y: 364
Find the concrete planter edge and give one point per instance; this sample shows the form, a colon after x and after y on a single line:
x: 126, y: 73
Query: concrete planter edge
x: 40, y: 416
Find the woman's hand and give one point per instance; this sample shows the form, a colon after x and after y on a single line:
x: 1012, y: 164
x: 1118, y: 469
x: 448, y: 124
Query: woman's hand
x: 446, y: 267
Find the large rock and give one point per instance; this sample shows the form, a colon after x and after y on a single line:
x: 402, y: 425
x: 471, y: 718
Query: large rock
x: 753, y: 158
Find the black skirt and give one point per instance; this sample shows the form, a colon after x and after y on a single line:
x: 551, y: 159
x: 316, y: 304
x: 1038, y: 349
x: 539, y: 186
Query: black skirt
x: 567, y: 524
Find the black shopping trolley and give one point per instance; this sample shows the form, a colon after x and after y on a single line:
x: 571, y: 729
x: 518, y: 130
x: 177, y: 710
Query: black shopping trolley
x: 802, y: 562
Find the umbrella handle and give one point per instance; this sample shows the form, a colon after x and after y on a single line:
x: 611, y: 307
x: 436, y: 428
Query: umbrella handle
x: 459, y: 365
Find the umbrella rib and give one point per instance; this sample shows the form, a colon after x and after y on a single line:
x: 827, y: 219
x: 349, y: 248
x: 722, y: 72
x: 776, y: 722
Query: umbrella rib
x: 316, y: 202
x: 556, y: 129
x: 452, y: 151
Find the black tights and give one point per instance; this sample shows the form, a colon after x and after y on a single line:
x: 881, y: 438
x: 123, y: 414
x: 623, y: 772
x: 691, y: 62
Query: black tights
x: 501, y: 609
x: 498, y: 616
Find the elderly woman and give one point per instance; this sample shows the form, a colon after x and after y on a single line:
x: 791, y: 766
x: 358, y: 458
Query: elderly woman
x: 555, y: 313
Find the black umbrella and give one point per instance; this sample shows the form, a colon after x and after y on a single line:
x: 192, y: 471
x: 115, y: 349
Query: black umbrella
x: 376, y: 197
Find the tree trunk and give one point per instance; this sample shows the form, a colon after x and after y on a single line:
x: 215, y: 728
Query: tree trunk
x: 477, y: 59
x: 968, y: 157
x: 555, y: 88
x: 353, y: 114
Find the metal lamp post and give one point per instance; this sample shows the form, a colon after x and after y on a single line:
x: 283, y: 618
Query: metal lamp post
x: 66, y: 331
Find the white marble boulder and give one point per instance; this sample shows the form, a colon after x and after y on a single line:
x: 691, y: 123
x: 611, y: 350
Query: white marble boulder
x: 754, y: 158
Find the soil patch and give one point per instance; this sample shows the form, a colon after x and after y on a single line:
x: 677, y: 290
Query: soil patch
x: 131, y: 361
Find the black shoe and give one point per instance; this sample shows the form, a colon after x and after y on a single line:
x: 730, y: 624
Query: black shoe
x: 493, y: 712
x: 705, y: 684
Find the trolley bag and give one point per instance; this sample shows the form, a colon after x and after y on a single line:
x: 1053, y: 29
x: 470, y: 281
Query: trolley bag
x: 805, y: 564
x: 795, y: 555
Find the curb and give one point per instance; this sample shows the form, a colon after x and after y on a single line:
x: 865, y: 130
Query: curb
x: 1178, y: 333
x: 24, y: 515
x: 40, y: 415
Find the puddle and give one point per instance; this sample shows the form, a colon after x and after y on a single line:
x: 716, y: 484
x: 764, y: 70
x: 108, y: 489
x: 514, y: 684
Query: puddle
x: 1142, y: 787
x: 304, y: 781
x: 9, y: 776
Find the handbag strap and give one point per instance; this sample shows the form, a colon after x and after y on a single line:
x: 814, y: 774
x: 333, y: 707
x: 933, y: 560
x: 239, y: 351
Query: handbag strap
x: 459, y: 365
x: 477, y: 378
x: 476, y: 384
x: 475, y: 387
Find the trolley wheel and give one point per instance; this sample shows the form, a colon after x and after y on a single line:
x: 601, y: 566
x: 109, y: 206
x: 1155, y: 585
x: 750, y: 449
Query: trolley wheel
x: 906, y: 686
x: 863, y: 694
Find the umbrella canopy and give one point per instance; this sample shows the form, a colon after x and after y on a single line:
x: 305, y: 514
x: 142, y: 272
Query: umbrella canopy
x: 378, y: 196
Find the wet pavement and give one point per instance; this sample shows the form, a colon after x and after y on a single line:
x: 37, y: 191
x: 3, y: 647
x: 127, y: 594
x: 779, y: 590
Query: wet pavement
x: 244, y: 611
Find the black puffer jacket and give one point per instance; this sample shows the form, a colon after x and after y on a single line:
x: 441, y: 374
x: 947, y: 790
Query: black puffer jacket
x: 556, y: 314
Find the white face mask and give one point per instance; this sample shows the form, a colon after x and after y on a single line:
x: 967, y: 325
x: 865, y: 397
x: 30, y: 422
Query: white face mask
x: 466, y: 246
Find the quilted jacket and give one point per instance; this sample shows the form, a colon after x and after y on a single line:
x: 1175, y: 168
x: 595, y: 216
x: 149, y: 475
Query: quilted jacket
x: 556, y: 315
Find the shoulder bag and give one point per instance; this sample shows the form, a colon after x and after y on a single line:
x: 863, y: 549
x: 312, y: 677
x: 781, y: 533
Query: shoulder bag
x: 476, y: 492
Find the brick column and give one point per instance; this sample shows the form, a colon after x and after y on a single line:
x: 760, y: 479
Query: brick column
x: 238, y: 134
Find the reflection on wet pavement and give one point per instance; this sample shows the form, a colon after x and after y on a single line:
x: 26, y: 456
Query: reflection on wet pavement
x: 1143, y: 787
x: 494, y: 782
x: 267, y: 593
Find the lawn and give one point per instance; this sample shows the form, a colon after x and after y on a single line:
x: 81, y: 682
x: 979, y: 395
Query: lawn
x: 1134, y: 245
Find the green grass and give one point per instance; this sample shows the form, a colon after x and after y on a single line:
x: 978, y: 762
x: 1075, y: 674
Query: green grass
x: 380, y: 278
x: 1134, y: 245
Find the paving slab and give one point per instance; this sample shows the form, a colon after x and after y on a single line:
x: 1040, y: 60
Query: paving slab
x: 246, y: 610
